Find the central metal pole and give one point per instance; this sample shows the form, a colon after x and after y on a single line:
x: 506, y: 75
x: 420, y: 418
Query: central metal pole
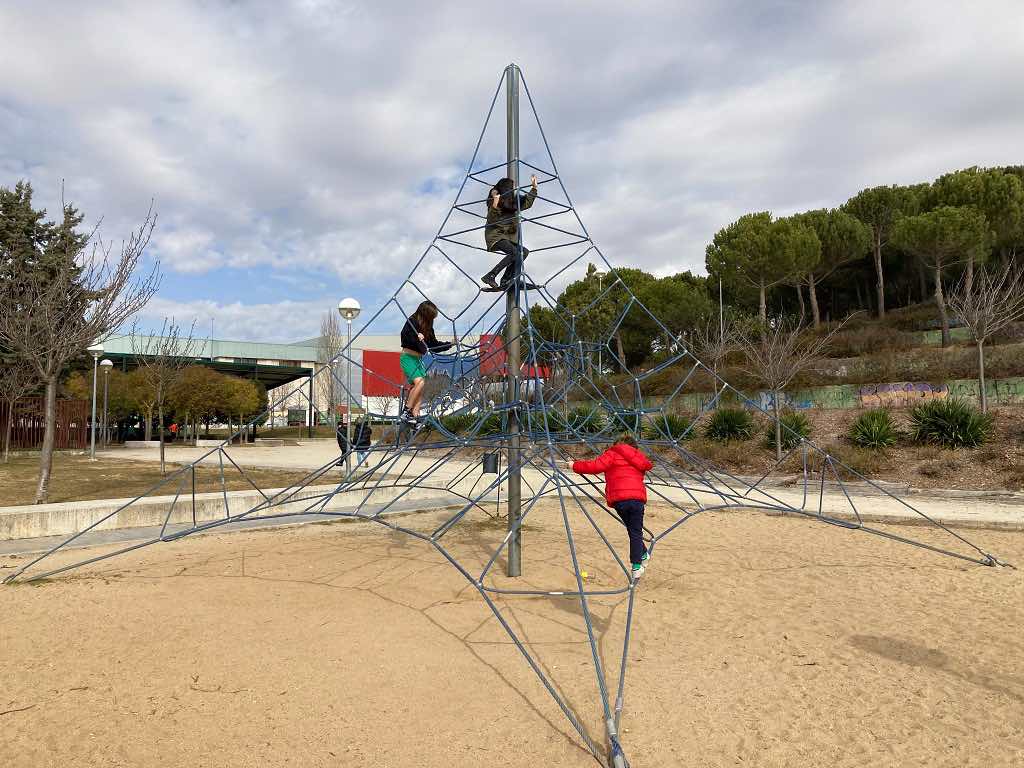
x: 512, y: 331
x: 348, y: 398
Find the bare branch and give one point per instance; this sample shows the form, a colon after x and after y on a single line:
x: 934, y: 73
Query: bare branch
x: 993, y: 300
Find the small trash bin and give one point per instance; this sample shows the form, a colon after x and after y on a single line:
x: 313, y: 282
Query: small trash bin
x: 490, y: 463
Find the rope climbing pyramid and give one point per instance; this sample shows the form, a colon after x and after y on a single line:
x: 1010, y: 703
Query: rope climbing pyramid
x: 519, y: 393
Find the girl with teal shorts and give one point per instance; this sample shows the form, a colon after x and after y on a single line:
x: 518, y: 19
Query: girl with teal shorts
x: 417, y: 339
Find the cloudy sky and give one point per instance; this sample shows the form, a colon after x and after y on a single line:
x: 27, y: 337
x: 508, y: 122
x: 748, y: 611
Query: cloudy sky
x: 302, y: 151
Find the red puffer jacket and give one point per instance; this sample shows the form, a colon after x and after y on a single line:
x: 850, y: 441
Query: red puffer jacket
x: 623, y: 467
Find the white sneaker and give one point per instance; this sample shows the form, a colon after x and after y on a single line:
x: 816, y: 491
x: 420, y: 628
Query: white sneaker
x: 638, y: 571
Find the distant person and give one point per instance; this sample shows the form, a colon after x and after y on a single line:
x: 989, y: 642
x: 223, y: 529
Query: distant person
x: 502, y: 230
x: 361, y: 439
x: 342, y: 434
x: 624, y: 466
x: 417, y: 339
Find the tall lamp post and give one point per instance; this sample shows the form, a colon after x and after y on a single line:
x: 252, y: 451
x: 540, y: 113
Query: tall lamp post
x: 95, y: 350
x: 106, y: 365
x: 600, y: 275
x: 349, y: 311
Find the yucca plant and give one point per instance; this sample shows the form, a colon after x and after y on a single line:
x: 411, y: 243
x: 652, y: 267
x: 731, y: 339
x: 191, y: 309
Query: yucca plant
x: 949, y: 423
x: 874, y: 429
x: 586, y: 421
x: 667, y: 426
x: 729, y: 424
x: 794, y: 427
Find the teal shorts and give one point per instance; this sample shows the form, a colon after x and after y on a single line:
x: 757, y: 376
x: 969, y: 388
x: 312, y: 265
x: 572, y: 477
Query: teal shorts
x: 412, y: 367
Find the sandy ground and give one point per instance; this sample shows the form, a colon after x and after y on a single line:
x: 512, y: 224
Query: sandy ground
x: 758, y: 641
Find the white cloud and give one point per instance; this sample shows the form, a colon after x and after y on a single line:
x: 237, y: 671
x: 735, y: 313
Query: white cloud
x: 320, y: 137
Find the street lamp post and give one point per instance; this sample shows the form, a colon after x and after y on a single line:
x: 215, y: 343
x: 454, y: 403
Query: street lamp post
x: 349, y: 311
x: 600, y: 289
x: 106, y: 365
x: 95, y: 350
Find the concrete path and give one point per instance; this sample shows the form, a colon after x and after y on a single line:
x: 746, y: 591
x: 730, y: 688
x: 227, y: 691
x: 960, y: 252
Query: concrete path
x: 967, y: 509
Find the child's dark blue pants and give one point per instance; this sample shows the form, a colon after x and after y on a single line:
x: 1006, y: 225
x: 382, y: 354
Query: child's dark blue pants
x: 632, y: 514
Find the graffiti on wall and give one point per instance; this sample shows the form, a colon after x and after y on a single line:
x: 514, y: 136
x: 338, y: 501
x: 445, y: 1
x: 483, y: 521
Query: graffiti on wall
x: 901, y: 394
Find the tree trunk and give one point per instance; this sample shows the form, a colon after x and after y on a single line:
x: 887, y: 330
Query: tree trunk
x: 7, y: 431
x: 922, y: 281
x: 860, y: 298
x: 879, y: 277
x: 981, y: 376
x: 778, y: 425
x: 941, y: 301
x: 800, y: 298
x: 622, y: 354
x: 763, y: 305
x: 969, y: 276
x: 813, y: 294
x: 46, y: 455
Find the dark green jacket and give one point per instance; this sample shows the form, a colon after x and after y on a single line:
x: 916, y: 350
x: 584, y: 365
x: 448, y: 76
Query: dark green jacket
x: 501, y: 224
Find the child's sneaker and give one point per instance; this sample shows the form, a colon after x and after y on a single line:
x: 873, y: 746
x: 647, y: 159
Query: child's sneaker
x: 646, y: 557
x: 638, y: 571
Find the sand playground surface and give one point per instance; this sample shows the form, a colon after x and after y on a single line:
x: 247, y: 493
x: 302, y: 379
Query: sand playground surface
x: 758, y: 641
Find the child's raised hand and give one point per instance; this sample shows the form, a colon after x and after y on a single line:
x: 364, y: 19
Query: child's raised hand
x: 422, y: 337
x: 533, y: 180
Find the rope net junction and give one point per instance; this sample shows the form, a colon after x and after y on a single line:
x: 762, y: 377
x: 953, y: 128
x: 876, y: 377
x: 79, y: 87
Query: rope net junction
x: 531, y: 418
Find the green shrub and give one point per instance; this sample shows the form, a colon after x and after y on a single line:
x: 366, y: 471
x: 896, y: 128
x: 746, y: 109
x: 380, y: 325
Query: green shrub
x: 586, y: 421
x: 626, y: 421
x: 874, y: 429
x: 459, y: 423
x: 729, y: 424
x: 795, y: 426
x: 493, y: 425
x: 667, y: 426
x: 949, y: 423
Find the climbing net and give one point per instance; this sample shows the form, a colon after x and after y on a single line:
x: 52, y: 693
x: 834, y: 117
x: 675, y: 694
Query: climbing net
x: 561, y: 404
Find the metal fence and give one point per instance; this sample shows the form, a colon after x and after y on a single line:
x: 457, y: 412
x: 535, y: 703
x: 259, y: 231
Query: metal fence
x: 29, y: 423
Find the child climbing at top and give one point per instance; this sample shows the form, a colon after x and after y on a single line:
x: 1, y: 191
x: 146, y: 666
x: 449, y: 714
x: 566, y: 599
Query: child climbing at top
x: 624, y: 466
x: 502, y: 231
x: 417, y: 339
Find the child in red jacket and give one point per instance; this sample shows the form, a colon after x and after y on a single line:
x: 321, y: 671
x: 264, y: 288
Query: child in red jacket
x: 624, y: 466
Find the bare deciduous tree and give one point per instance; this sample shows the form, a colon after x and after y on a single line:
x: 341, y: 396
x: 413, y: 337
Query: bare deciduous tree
x: 712, y: 340
x: 162, y: 359
x: 383, y: 405
x: 17, y: 379
x: 775, y: 353
x: 50, y: 315
x: 986, y: 305
x: 329, y: 345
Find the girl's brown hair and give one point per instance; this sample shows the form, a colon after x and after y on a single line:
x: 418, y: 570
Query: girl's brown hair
x: 424, y: 316
x: 628, y: 439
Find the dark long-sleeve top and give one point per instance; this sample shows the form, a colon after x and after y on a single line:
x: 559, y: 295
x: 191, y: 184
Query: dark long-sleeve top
x: 411, y: 340
x: 362, y: 435
x: 501, y: 222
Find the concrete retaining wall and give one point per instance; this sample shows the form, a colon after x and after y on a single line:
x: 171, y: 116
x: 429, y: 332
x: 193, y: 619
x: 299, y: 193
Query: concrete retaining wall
x: 64, y: 519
